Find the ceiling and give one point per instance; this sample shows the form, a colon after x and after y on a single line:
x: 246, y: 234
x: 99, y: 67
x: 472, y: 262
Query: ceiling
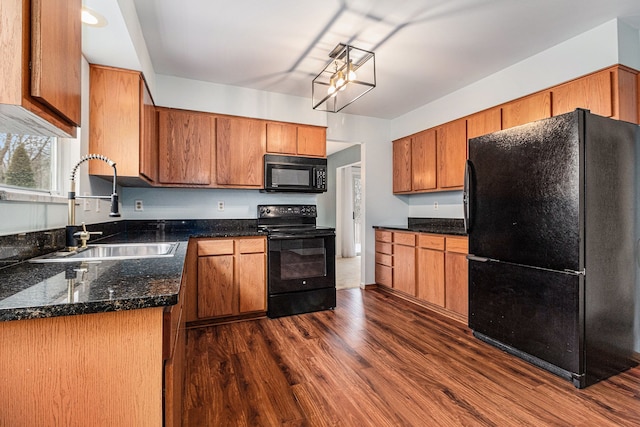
x: 424, y: 49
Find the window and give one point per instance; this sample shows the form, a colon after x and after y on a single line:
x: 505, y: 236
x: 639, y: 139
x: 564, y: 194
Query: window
x: 28, y: 162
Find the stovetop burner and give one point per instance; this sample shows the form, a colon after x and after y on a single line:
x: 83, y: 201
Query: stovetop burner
x: 290, y: 220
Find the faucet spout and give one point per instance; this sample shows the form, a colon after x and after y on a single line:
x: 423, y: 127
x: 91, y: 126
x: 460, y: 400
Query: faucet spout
x: 71, y: 241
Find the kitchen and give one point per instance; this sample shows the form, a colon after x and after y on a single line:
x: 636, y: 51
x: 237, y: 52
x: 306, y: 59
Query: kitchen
x: 382, y: 206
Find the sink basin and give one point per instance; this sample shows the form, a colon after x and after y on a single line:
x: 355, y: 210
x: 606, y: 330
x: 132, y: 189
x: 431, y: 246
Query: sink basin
x: 108, y: 252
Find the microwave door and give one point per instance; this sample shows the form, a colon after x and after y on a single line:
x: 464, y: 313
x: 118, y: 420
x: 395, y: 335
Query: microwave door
x: 290, y: 177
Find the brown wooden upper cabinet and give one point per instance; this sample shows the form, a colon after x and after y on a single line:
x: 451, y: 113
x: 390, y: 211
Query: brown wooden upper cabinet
x: 528, y: 109
x: 402, y: 179
x: 289, y: 138
x: 610, y: 93
x: 240, y: 148
x: 123, y: 125
x: 484, y: 122
x: 593, y: 92
x: 186, y: 147
x: 312, y: 141
x: 452, y: 154
x: 431, y: 160
x: 423, y: 161
x: 41, y: 63
x: 414, y: 163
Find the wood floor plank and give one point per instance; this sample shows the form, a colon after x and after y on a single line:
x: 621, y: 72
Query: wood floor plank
x: 378, y: 360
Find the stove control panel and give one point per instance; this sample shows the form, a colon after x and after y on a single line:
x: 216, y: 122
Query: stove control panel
x: 287, y: 211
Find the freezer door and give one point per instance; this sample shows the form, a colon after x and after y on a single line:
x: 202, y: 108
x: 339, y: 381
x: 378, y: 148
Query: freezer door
x: 524, y: 194
x: 531, y: 310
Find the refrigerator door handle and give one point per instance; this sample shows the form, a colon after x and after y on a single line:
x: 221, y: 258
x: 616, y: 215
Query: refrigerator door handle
x: 582, y: 272
x: 478, y: 258
x: 466, y: 196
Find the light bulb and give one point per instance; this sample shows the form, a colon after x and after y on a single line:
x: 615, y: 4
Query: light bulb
x: 340, y: 82
x: 332, y: 86
x: 351, y: 75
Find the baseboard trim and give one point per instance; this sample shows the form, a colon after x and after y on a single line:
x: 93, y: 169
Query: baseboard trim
x: 429, y: 306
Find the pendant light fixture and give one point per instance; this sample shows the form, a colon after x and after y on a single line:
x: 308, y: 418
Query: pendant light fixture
x: 350, y: 74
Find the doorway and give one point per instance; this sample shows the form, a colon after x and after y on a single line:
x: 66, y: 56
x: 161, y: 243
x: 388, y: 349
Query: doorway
x: 349, y: 223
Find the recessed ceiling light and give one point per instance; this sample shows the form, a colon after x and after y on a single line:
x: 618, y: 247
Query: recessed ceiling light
x: 92, y: 18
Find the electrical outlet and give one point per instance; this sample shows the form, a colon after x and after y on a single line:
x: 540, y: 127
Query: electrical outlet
x: 138, y: 206
x: 220, y: 206
x: 86, y: 203
x: 435, y: 206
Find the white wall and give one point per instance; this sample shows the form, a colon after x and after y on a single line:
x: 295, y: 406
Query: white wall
x: 327, y: 201
x: 187, y: 203
x: 177, y: 92
x: 601, y: 47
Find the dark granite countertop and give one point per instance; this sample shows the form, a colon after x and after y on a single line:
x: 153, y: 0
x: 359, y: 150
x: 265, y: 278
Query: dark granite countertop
x: 29, y: 291
x: 451, y: 226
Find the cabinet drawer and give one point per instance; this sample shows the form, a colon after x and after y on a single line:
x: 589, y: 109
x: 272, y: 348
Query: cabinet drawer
x: 431, y: 242
x: 215, y: 247
x: 383, y: 236
x: 251, y: 246
x: 384, y: 248
x: 407, y: 239
x: 458, y: 244
x: 384, y: 259
x: 384, y: 275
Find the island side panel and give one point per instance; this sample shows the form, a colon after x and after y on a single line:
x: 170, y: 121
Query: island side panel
x: 92, y: 369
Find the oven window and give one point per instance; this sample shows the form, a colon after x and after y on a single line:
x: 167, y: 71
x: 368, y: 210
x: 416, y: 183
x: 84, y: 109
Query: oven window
x: 285, y: 176
x: 303, y: 258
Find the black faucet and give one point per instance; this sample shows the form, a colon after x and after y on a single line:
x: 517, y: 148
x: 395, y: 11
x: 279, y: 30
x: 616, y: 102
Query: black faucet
x: 72, y: 232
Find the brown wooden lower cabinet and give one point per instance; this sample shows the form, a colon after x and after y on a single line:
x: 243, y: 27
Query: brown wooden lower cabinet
x: 457, y: 276
x: 430, y: 267
x: 231, y: 277
x: 404, y: 262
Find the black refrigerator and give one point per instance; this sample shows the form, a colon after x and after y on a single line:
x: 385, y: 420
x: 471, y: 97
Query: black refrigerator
x: 550, y: 208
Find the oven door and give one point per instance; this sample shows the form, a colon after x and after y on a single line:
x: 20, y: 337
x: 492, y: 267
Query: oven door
x: 301, y: 263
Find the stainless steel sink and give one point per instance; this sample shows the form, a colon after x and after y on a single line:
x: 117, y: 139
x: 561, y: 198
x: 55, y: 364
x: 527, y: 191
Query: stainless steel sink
x: 108, y: 252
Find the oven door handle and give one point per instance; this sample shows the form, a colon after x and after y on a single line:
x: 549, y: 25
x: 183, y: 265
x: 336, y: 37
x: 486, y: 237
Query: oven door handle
x: 300, y: 236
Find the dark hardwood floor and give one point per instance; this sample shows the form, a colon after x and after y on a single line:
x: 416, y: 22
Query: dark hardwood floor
x: 378, y: 360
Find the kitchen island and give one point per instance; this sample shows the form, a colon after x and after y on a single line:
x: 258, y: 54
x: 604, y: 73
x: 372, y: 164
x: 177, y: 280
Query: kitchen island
x: 99, y: 343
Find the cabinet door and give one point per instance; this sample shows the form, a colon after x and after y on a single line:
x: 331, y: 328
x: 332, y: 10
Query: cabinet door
x: 484, y: 122
x: 593, y: 92
x: 626, y: 95
x: 252, y: 283
x: 430, y: 283
x: 282, y: 138
x: 114, y: 120
x: 56, y: 54
x: 185, y: 147
x: 423, y: 160
x: 149, y: 135
x: 452, y: 153
x: 240, y: 147
x: 526, y: 110
x: 456, y: 283
x: 404, y: 269
x: 312, y: 141
x: 402, y: 165
x: 216, y: 288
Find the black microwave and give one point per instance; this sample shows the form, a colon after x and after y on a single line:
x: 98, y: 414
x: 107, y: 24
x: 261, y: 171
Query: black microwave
x: 294, y: 174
